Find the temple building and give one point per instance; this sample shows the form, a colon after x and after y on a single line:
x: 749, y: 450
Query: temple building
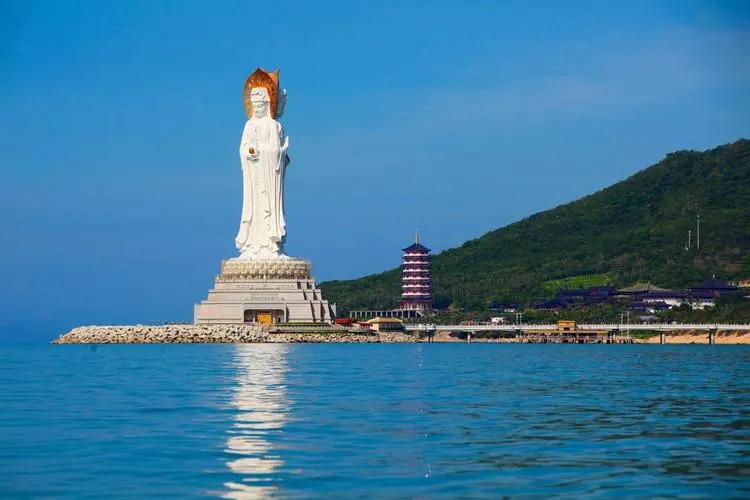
x: 416, y: 283
x: 416, y: 287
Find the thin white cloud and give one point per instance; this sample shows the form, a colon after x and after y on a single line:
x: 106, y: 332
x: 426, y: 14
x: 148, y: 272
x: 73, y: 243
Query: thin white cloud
x: 581, y: 79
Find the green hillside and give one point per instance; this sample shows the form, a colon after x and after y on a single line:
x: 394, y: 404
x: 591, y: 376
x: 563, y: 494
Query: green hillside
x: 635, y: 230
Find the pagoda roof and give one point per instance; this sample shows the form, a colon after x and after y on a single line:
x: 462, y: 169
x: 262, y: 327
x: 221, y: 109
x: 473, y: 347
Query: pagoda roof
x: 714, y: 284
x: 380, y: 319
x: 551, y: 304
x: 666, y: 294
x: 642, y: 288
x: 416, y: 248
x: 642, y: 306
x: 703, y: 293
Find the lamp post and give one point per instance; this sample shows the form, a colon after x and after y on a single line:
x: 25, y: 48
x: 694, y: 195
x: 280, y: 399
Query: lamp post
x: 698, y: 234
x: 627, y: 316
x: 519, y: 322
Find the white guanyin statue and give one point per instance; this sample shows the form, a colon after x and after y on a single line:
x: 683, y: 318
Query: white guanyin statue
x: 263, y: 154
x: 262, y: 285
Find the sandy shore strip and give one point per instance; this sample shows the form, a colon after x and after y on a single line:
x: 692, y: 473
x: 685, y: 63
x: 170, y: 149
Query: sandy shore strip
x: 695, y: 337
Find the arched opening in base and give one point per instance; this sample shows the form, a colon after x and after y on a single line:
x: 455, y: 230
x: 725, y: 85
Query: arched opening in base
x: 263, y: 316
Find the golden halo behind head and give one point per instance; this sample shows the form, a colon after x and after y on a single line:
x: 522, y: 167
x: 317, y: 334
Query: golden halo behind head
x: 267, y: 80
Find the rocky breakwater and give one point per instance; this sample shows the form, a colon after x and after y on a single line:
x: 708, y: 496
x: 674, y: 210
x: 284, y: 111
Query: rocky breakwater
x: 213, y: 334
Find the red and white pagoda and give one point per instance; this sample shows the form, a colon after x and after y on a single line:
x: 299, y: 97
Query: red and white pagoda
x: 416, y: 288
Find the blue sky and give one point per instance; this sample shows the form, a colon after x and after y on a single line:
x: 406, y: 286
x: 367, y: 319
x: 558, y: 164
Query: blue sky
x: 120, y: 185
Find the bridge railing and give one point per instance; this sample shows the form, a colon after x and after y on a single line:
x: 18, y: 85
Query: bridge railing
x: 584, y: 326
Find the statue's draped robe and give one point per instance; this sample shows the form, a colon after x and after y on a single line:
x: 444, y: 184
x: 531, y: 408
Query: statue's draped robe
x: 262, y: 226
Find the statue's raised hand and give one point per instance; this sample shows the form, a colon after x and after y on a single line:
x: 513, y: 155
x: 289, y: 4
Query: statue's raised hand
x: 253, y: 154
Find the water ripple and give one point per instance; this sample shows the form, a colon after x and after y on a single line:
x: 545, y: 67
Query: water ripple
x: 429, y: 421
x: 262, y: 412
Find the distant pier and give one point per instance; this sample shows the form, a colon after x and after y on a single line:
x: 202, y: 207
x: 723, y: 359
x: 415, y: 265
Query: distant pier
x: 566, y: 331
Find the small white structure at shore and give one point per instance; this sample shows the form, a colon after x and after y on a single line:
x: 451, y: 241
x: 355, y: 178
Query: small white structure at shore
x: 386, y: 324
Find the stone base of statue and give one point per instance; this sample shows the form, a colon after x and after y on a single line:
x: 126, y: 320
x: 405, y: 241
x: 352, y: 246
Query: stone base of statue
x: 264, y: 292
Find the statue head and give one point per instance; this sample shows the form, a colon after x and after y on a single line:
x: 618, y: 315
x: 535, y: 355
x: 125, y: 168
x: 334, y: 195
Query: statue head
x: 259, y: 102
x: 261, y: 93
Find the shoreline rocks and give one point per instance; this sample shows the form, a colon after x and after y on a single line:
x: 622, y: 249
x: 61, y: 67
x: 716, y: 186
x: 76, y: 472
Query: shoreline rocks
x: 215, y: 334
x: 244, y: 334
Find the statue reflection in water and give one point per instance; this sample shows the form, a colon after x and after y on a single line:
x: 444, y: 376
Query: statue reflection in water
x: 262, y: 404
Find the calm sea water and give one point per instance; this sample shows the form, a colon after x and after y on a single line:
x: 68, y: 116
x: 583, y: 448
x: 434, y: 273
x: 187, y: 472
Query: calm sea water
x: 428, y: 421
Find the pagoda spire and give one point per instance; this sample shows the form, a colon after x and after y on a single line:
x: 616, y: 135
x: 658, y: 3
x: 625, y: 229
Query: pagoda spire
x: 416, y: 237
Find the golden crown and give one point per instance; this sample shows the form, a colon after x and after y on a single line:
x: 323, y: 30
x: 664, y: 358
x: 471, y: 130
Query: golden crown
x: 267, y: 80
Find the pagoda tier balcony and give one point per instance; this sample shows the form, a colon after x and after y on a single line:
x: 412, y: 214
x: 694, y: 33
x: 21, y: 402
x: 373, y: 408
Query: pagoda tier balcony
x: 417, y: 306
x: 416, y: 278
x: 417, y: 254
x: 415, y: 295
x: 416, y: 285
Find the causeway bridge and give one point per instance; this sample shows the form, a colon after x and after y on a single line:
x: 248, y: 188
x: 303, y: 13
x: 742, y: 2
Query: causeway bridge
x: 582, y: 327
x: 567, y: 331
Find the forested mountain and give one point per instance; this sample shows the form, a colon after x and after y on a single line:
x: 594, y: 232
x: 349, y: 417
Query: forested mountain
x: 635, y: 230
